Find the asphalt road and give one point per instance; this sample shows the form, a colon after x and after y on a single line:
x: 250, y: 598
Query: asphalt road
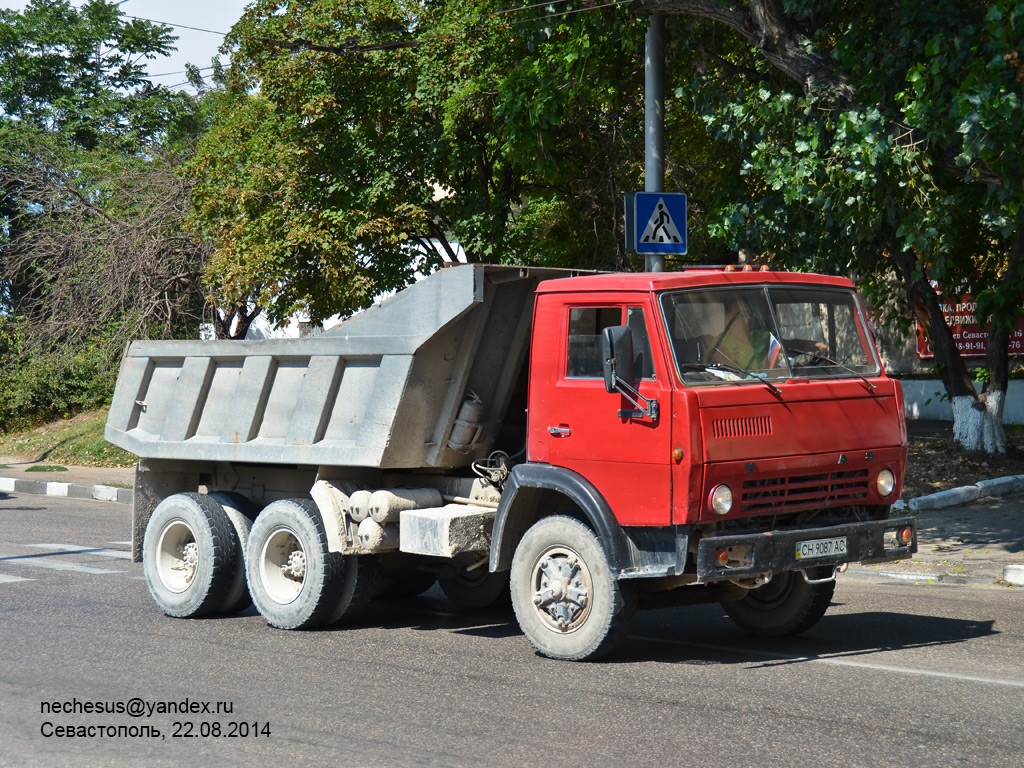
x: 896, y: 674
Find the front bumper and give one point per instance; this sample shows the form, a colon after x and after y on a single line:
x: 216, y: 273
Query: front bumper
x: 756, y: 554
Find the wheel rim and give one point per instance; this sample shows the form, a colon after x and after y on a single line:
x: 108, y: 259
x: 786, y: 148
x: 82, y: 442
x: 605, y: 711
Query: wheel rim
x: 562, y: 589
x: 283, y: 566
x: 177, y: 556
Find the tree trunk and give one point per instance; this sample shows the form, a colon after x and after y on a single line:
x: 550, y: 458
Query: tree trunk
x: 997, y: 355
x: 977, y: 420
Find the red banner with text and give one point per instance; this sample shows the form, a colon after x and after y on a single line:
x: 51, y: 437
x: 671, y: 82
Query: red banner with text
x: 971, y: 339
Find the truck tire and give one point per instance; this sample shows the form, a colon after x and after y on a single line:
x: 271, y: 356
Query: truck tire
x: 294, y: 580
x: 358, y: 587
x: 189, y: 555
x: 241, y: 513
x: 787, y: 605
x: 567, y: 602
x: 477, y: 589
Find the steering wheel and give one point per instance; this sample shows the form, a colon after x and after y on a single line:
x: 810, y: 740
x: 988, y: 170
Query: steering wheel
x: 813, y: 358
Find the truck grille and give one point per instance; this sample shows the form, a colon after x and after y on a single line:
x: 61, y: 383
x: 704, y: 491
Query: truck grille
x: 747, y: 426
x: 828, y: 489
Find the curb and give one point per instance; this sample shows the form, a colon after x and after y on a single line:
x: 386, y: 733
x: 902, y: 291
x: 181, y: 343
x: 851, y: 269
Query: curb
x: 965, y: 494
x: 931, y: 579
x: 68, y: 490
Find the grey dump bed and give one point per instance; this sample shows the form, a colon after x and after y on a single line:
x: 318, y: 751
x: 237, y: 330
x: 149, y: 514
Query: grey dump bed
x: 383, y: 389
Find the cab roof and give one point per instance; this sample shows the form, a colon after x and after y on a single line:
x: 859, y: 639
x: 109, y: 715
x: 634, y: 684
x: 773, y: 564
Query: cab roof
x: 690, y: 278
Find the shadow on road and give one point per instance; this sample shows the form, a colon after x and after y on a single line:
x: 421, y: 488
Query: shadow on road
x: 836, y: 637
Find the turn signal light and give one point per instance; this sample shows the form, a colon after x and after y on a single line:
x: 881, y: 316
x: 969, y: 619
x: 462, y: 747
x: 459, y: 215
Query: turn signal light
x: 722, y: 557
x: 906, y: 537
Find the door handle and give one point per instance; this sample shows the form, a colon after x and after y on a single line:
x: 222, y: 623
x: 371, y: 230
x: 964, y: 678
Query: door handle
x: 560, y: 431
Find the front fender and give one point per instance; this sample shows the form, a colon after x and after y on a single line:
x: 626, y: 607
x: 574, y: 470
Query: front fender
x: 520, y: 508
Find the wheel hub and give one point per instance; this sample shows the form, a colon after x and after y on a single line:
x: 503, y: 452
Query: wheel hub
x: 295, y: 567
x: 562, y: 589
x: 177, y: 556
x: 189, y: 560
x: 283, y: 565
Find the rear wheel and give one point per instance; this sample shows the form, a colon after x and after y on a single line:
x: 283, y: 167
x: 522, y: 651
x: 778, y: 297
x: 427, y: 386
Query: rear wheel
x: 357, y: 587
x: 241, y: 513
x: 786, y: 605
x: 294, y: 580
x: 567, y: 602
x: 472, y: 587
x: 189, y: 555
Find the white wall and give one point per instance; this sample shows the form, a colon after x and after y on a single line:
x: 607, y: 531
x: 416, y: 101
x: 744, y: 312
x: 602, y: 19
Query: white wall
x: 917, y: 391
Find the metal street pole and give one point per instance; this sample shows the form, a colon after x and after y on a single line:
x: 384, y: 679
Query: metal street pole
x: 654, y: 120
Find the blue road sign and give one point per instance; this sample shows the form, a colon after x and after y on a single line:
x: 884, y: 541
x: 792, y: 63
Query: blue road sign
x: 659, y: 222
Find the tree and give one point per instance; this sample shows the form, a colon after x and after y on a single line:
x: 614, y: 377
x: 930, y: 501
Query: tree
x: 886, y: 143
x: 358, y: 141
x: 92, y: 240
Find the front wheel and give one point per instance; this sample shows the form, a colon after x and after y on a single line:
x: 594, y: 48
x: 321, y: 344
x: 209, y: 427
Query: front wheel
x: 567, y: 602
x: 786, y: 605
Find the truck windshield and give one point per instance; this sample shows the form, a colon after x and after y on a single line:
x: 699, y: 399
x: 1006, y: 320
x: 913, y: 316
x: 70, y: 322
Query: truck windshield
x: 733, y: 335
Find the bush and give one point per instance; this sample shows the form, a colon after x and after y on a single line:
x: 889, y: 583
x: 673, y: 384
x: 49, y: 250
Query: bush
x: 40, y: 387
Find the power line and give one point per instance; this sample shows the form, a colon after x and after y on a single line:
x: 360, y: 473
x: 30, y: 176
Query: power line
x: 178, y: 26
x: 528, y: 7
x: 577, y: 10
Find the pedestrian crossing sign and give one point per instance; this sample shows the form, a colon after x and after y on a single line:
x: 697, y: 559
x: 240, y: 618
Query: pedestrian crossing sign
x: 658, y: 222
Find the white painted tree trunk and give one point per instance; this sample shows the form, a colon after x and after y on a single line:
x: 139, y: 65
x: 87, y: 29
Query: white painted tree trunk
x: 980, y: 429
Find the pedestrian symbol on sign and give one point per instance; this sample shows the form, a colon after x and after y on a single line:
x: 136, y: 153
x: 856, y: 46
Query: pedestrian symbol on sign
x: 655, y: 222
x: 660, y: 228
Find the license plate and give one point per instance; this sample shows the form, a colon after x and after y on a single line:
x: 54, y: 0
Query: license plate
x: 808, y: 550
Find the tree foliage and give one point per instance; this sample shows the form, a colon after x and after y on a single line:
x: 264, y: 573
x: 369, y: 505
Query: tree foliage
x: 91, y: 238
x: 880, y: 141
x: 359, y: 141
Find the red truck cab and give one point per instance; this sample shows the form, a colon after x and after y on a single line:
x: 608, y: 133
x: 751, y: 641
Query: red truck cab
x: 736, y: 426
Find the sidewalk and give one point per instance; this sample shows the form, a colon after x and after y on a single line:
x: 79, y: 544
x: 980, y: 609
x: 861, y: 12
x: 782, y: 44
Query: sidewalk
x: 101, y: 483
x: 981, y: 542
x: 965, y: 536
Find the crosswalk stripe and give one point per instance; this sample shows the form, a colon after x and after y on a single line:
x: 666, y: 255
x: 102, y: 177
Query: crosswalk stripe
x: 36, y: 561
x: 5, y: 579
x: 119, y: 554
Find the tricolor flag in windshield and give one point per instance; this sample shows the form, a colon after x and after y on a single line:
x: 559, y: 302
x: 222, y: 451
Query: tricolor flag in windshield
x: 774, y: 350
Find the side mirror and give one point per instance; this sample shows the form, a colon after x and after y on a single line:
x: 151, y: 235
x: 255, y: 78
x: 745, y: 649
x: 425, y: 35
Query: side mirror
x: 619, y: 375
x: 617, y: 356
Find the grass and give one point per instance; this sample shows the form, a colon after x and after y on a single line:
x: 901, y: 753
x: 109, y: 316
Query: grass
x: 46, y: 468
x: 77, y: 441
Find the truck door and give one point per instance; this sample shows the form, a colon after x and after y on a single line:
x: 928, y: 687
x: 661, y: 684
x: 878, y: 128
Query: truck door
x: 575, y: 423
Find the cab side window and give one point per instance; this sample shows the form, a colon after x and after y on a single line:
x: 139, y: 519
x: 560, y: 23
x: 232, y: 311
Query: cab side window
x: 585, y: 327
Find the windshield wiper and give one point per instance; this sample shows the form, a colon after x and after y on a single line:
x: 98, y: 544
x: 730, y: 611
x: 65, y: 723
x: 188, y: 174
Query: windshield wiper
x: 730, y: 369
x: 818, y: 356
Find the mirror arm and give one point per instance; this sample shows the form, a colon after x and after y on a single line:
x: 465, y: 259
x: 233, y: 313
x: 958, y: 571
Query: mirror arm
x: 645, y: 407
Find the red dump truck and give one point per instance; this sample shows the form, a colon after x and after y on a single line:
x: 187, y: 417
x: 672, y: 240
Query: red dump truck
x: 587, y: 444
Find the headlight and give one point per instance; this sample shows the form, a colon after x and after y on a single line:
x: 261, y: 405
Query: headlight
x: 886, y: 482
x: 721, y: 499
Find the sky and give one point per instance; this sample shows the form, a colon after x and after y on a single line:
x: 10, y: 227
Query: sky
x: 194, y: 46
